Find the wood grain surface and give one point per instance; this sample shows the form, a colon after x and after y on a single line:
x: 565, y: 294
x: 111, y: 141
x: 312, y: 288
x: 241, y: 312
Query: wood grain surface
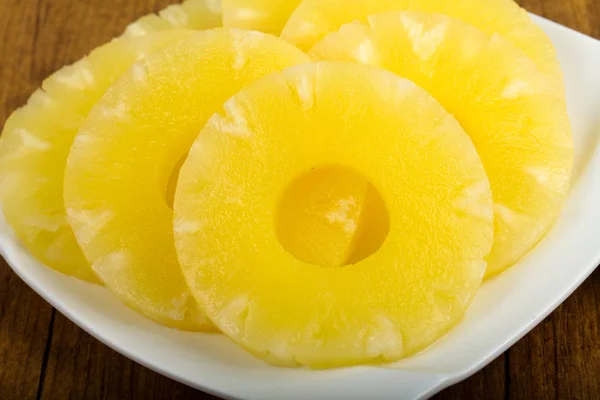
x: 45, y: 356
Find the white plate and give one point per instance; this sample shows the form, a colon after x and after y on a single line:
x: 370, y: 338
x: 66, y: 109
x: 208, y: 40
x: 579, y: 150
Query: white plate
x: 504, y: 310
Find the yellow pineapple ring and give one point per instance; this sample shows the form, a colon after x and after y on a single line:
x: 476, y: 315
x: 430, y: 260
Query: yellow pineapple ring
x: 261, y: 15
x: 515, y: 115
x: 120, y: 163
x: 36, y: 142
x: 191, y: 14
x: 313, y: 19
x: 394, y: 303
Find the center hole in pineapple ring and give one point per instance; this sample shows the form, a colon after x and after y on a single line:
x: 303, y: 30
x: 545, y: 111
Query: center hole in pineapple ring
x: 331, y: 216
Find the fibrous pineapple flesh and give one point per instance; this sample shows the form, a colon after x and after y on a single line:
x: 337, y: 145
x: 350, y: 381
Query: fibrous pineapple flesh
x: 313, y: 19
x: 191, y: 14
x: 515, y: 114
x: 118, y: 171
x: 416, y: 155
x: 36, y: 141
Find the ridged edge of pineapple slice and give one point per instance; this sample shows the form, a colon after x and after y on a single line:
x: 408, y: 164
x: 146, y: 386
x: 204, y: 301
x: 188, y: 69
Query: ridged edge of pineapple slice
x: 521, y: 83
x: 191, y: 14
x: 388, y: 306
x: 36, y: 140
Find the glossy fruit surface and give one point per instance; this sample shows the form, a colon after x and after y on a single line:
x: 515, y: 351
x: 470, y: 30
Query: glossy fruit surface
x: 123, y: 159
x: 416, y: 155
x: 515, y: 115
x: 36, y: 141
x: 313, y: 19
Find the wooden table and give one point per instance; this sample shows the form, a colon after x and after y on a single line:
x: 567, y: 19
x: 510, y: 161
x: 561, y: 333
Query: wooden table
x: 45, y: 356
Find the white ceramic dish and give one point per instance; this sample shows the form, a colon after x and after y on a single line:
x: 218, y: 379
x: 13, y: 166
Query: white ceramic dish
x: 504, y: 310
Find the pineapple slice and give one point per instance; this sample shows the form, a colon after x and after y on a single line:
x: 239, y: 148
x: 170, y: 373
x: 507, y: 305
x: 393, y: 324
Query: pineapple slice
x: 514, y: 114
x: 118, y: 171
x: 191, y: 14
x: 36, y: 141
x: 313, y: 19
x: 262, y: 15
x: 416, y: 155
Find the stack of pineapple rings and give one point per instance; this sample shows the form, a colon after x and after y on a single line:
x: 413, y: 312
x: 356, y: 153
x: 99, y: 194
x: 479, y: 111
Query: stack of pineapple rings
x: 329, y: 197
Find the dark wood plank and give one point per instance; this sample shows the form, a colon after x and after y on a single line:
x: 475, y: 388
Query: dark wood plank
x: 25, y: 318
x: 532, y: 363
x: 581, y: 15
x: 17, y: 41
x: 25, y: 321
x: 80, y: 367
x: 577, y: 334
x: 71, y: 29
x: 560, y: 359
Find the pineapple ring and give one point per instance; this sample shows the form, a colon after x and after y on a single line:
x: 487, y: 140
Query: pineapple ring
x: 191, y: 14
x: 392, y: 304
x: 262, y: 15
x: 36, y: 142
x: 119, y: 166
x: 313, y: 19
x: 515, y: 115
